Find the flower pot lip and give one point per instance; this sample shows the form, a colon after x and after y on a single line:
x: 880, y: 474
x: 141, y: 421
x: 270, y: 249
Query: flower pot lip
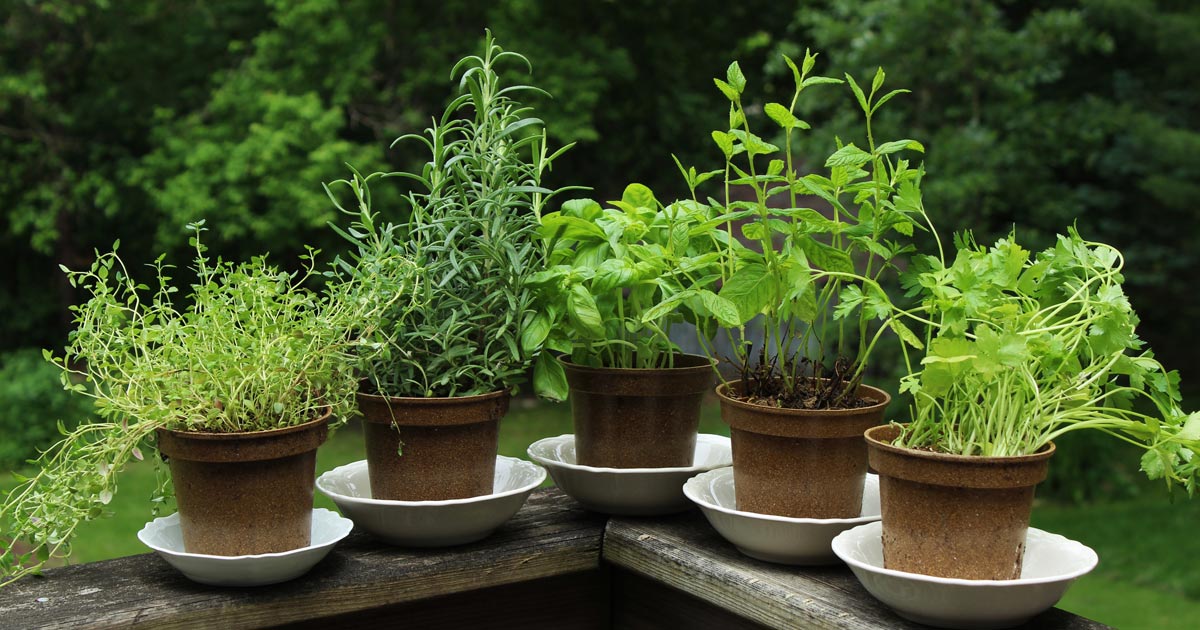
x: 874, y: 440
x: 435, y: 400
x: 876, y: 393
x: 238, y: 435
x: 700, y: 363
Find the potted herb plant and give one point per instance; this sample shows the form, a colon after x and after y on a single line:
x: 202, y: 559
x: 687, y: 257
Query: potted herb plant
x: 616, y: 279
x: 1021, y: 350
x: 236, y: 389
x: 811, y: 278
x: 458, y: 264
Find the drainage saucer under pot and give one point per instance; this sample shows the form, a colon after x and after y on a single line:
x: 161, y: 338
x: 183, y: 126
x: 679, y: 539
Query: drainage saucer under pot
x: 627, y: 491
x: 781, y: 539
x: 164, y: 536
x: 432, y: 523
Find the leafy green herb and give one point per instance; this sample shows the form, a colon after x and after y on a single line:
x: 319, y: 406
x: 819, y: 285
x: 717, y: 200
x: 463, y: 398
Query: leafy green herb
x: 617, y: 278
x: 1022, y: 350
x: 252, y: 350
x: 813, y: 277
x: 462, y: 320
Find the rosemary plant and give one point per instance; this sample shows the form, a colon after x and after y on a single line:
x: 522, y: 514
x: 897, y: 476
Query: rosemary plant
x: 251, y: 350
x: 463, y: 256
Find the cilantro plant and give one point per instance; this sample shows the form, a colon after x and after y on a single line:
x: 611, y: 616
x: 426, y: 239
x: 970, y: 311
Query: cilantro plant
x: 251, y: 350
x: 1022, y: 350
x: 455, y: 263
x: 617, y: 278
x: 813, y: 276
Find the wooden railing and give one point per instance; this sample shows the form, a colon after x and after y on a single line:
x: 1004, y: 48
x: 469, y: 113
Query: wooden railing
x: 554, y: 565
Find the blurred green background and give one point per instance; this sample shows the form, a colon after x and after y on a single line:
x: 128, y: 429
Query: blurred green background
x: 130, y: 119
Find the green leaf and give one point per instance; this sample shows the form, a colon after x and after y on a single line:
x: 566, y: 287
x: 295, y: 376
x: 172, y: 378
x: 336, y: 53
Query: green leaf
x: 724, y: 142
x: 582, y: 208
x: 783, y: 117
x: 581, y: 308
x: 639, y: 196
x: 905, y: 334
x: 848, y: 155
x: 549, y: 378
x: 728, y: 90
x: 736, y: 79
x: 877, y: 82
x: 612, y: 273
x: 825, y: 257
x: 858, y: 93
x: 750, y: 289
x: 667, y: 306
x: 535, y: 332
x: 899, y: 145
x: 887, y: 97
x: 575, y: 228
x: 724, y: 310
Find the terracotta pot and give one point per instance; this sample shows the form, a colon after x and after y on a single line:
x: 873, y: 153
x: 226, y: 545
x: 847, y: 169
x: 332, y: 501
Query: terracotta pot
x: 638, y: 417
x: 952, y: 515
x: 432, y: 449
x: 244, y: 493
x: 798, y: 462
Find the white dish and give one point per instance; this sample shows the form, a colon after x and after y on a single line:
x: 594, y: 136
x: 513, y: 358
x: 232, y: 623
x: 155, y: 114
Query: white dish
x: 1051, y: 563
x: 781, y: 539
x: 432, y: 523
x: 164, y: 536
x: 627, y: 491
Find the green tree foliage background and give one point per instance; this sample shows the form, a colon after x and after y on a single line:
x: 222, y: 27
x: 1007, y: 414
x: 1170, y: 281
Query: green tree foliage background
x: 130, y: 119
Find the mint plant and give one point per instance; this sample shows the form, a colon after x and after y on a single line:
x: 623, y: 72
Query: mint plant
x: 813, y: 277
x: 455, y: 263
x: 1022, y: 350
x: 617, y: 278
x: 251, y: 349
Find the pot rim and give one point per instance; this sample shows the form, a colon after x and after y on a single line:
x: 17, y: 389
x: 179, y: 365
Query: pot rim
x: 1042, y: 453
x: 238, y: 435
x: 435, y: 400
x: 705, y: 364
x: 721, y: 391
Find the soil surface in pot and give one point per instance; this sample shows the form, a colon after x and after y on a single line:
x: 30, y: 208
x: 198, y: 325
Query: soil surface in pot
x: 762, y: 385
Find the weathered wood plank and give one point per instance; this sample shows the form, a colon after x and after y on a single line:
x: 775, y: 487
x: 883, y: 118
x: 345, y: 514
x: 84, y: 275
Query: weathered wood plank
x: 550, y: 536
x: 640, y: 603
x: 578, y: 601
x: 685, y: 553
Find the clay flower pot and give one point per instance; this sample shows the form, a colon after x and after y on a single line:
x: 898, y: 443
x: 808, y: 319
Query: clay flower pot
x: 800, y: 463
x: 638, y: 417
x: 954, y: 516
x: 432, y: 449
x: 244, y: 493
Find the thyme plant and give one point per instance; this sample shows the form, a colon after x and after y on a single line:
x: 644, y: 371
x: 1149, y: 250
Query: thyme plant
x: 812, y: 276
x: 1022, y: 350
x: 464, y: 254
x: 252, y: 349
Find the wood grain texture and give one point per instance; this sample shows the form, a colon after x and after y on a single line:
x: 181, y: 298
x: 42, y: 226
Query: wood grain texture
x: 685, y: 553
x: 550, y: 536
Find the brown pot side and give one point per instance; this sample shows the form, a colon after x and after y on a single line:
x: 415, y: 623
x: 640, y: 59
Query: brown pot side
x: 244, y: 493
x: 449, y: 445
x: 954, y: 516
x: 638, y: 418
x: 800, y: 463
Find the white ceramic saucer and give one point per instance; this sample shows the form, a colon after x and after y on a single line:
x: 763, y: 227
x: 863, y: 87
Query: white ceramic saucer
x: 627, y: 491
x: 432, y: 523
x: 1051, y: 563
x: 782, y: 539
x: 164, y: 536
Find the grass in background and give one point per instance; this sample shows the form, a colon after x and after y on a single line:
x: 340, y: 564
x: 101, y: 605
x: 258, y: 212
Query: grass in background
x: 1147, y: 577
